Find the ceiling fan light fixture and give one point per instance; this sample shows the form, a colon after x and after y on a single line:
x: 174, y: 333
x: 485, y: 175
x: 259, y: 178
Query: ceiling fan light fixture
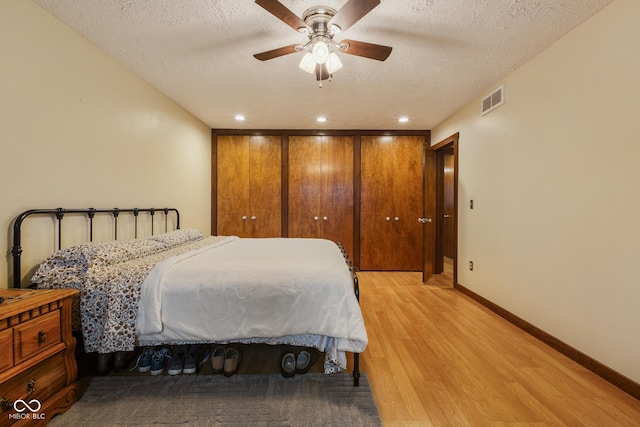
x: 333, y: 63
x: 307, y: 63
x: 321, y: 24
x: 320, y: 52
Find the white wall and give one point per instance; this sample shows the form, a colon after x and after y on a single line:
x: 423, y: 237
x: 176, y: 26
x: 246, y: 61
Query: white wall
x: 79, y: 130
x: 555, y: 178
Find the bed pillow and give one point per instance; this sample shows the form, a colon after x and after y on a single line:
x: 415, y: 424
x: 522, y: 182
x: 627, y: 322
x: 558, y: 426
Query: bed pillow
x: 76, y: 260
x: 69, y: 265
x: 102, y: 254
x: 65, y: 268
x: 176, y: 238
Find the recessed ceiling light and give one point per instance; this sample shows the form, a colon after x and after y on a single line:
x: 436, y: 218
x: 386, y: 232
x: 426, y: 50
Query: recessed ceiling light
x: 321, y: 119
x: 403, y: 119
x: 239, y: 117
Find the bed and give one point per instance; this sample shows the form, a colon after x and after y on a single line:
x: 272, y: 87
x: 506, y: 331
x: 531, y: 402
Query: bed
x: 182, y: 287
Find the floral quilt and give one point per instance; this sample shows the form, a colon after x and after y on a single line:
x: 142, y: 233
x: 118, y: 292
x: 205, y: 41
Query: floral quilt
x: 109, y: 276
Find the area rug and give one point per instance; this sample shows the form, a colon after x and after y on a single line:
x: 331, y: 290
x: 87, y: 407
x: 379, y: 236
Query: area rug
x: 213, y: 400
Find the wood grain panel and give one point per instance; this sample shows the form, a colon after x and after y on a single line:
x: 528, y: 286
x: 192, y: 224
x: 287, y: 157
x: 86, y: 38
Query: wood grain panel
x: 265, y: 186
x: 408, y: 199
x: 376, y: 202
x: 48, y: 378
x: 6, y: 355
x: 35, y: 336
x: 392, y: 188
x: 321, y: 188
x: 249, y: 185
x: 305, y: 157
x: 233, y: 185
x: 449, y: 208
x: 337, y: 191
x: 429, y: 211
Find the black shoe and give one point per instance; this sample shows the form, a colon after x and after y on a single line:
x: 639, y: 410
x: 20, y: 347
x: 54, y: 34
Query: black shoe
x: 190, y: 360
x: 105, y: 363
x: 122, y: 360
x: 304, y: 361
x: 177, y: 360
x: 288, y: 365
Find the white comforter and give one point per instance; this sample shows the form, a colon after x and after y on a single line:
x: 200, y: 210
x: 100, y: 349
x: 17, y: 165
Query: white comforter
x: 240, y: 289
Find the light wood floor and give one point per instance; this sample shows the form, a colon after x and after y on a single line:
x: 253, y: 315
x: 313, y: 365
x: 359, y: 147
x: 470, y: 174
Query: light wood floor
x: 437, y: 358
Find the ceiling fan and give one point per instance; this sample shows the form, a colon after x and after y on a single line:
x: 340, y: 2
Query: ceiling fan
x: 321, y: 24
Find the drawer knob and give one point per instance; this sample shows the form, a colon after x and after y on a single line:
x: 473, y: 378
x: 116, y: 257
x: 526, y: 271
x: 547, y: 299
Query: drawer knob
x: 31, y: 386
x: 42, y: 336
x: 6, y: 403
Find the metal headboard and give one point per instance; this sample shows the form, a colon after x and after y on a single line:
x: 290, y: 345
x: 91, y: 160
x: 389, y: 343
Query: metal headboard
x: 59, y: 213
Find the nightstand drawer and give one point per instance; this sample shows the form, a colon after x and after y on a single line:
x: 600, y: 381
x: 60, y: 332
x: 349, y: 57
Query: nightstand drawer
x: 35, y: 335
x: 39, y: 382
x: 6, y: 344
x: 36, y: 356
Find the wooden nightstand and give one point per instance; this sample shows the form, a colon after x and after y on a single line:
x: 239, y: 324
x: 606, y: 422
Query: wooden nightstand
x: 38, y: 369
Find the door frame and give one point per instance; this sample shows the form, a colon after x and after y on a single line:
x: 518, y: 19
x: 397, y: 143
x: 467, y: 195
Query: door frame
x: 440, y: 149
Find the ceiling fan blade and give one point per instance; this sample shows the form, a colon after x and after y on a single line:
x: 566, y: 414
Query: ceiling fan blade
x: 367, y: 50
x: 352, y: 12
x: 321, y: 72
x: 275, y: 53
x: 281, y: 12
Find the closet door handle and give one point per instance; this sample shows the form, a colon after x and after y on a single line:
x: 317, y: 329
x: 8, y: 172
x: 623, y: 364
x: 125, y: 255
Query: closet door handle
x: 396, y: 219
x: 244, y: 217
x: 253, y: 218
x: 388, y: 218
x: 424, y: 220
x: 325, y: 218
x: 315, y: 218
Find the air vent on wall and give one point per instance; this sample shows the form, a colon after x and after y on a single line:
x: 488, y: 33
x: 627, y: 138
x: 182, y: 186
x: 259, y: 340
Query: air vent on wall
x: 493, y: 101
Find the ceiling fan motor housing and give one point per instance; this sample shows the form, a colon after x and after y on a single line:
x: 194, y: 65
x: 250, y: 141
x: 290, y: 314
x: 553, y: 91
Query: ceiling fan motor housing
x: 317, y: 18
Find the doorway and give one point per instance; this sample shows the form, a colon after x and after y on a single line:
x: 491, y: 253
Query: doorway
x: 442, y: 191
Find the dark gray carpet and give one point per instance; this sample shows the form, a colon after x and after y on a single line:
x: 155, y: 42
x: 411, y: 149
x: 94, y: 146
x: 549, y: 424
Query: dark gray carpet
x: 213, y: 400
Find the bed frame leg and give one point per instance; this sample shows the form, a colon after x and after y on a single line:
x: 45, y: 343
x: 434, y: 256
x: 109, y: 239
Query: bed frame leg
x: 356, y: 290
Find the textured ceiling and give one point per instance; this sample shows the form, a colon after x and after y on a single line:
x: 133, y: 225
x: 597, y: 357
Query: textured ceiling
x: 200, y: 54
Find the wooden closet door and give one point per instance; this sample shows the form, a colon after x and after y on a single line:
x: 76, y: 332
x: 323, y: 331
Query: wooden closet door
x: 376, y: 203
x: 408, y: 195
x: 265, y: 186
x: 321, y: 188
x: 233, y: 190
x: 249, y: 186
x: 337, y: 191
x: 305, y: 153
x: 391, y: 237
